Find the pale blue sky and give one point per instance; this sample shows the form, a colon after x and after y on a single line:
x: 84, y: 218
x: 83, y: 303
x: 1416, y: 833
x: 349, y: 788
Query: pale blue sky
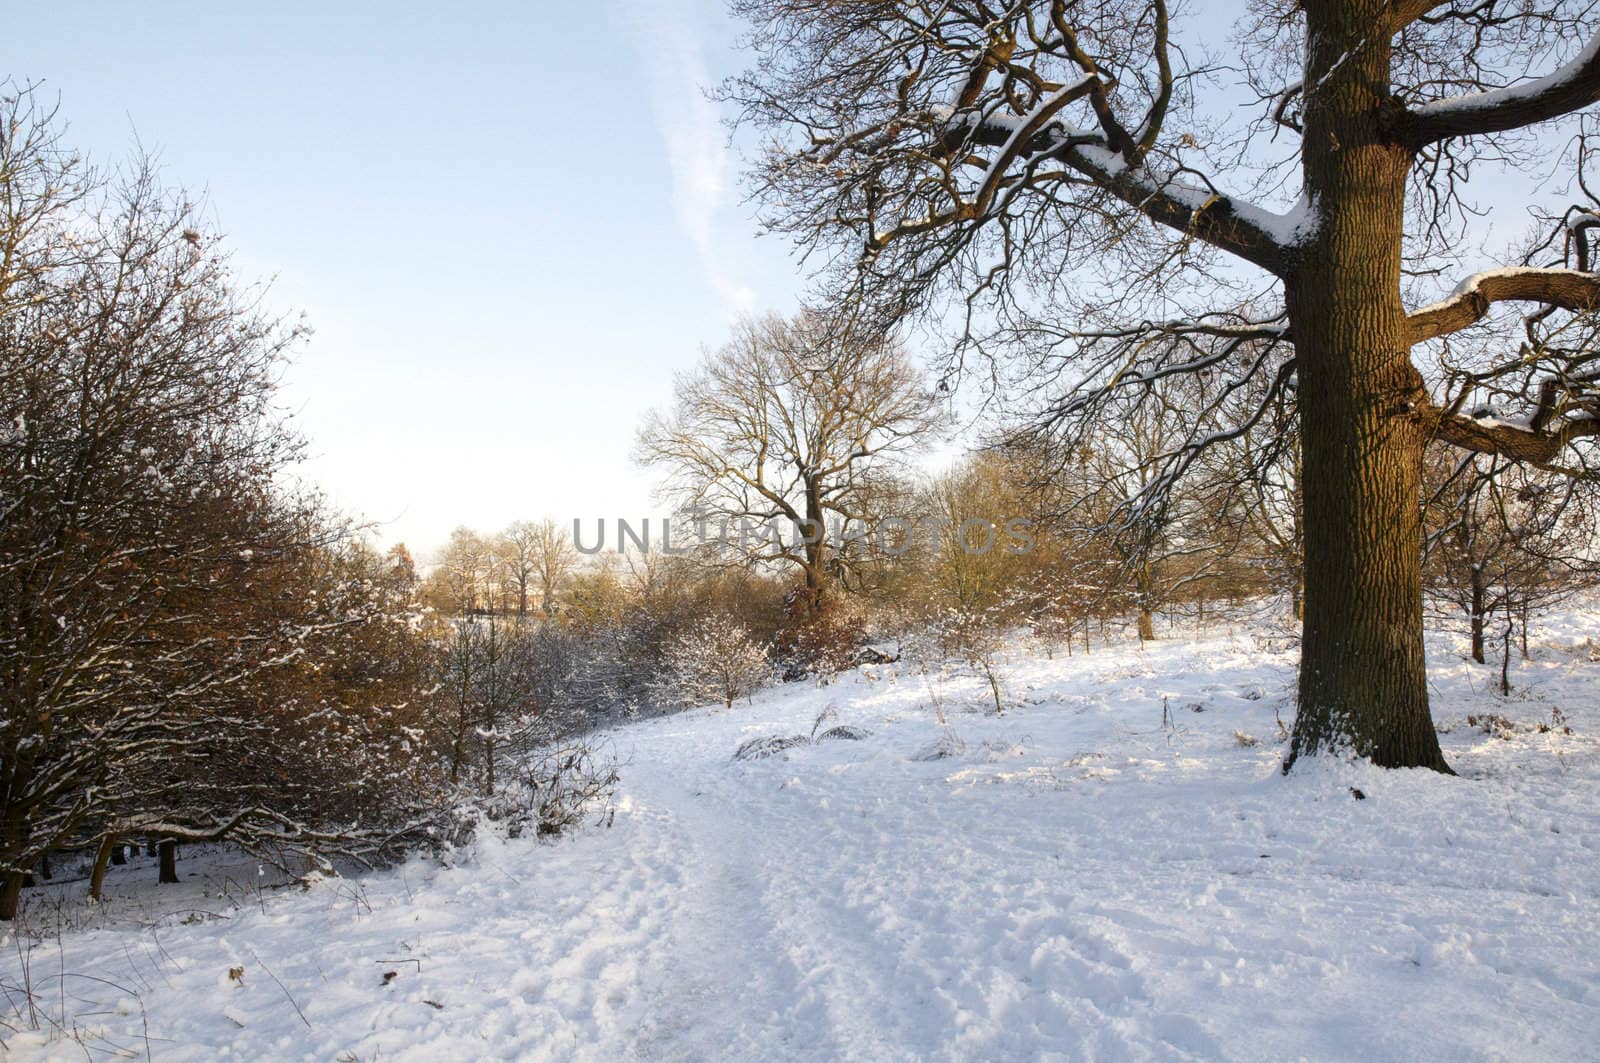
x: 508, y: 223
x: 507, y: 228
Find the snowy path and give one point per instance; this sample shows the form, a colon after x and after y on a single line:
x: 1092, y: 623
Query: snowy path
x: 1076, y: 883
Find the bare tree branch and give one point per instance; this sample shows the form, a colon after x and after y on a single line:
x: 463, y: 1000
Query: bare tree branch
x: 1573, y: 87
x: 1569, y: 289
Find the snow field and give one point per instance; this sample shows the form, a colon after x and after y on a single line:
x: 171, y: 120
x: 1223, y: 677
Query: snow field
x: 1074, y: 881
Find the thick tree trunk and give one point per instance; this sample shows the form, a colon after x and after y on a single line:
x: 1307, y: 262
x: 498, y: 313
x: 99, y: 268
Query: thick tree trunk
x: 102, y: 859
x: 168, y: 851
x: 1147, y: 620
x: 10, y: 896
x: 1477, y: 614
x: 815, y: 581
x: 1363, y: 678
x: 815, y: 538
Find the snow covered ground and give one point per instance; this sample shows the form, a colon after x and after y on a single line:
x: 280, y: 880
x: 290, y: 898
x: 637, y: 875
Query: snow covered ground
x: 1075, y: 880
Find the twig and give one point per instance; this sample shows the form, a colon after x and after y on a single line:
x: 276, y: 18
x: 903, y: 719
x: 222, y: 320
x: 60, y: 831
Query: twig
x: 287, y: 995
x: 417, y: 962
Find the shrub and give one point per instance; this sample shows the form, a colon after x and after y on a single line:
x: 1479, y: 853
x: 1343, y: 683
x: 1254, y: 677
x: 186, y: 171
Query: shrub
x: 716, y: 660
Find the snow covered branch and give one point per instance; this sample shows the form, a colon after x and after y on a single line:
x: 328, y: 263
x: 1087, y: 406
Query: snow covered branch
x: 1179, y: 199
x: 1566, y: 288
x: 1520, y: 442
x: 1576, y: 85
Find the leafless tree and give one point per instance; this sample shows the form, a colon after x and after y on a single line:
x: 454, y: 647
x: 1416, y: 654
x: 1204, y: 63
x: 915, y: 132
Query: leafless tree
x: 792, y: 422
x: 139, y: 513
x: 1073, y: 173
x: 1167, y: 542
x: 516, y: 552
x: 1504, y: 540
x: 554, y: 558
x: 535, y: 556
x: 467, y: 575
x: 187, y: 649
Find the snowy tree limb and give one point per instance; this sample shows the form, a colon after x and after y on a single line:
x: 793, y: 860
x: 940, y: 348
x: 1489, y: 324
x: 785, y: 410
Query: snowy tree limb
x: 1573, y: 87
x: 1566, y: 288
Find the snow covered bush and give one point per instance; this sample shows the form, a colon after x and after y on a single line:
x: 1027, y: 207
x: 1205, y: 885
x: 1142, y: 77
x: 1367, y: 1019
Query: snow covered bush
x: 192, y: 648
x: 819, y: 639
x: 715, y: 660
x: 771, y: 745
x: 976, y: 641
x: 768, y: 746
x: 554, y: 789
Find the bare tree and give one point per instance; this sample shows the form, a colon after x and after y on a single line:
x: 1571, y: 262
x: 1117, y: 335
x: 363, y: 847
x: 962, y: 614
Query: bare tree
x: 1505, y: 540
x: 516, y: 550
x: 535, y: 557
x: 1022, y: 155
x: 792, y: 422
x: 554, y: 558
x: 1262, y: 473
x: 1249, y: 489
x: 466, y: 575
x: 1171, y: 540
x: 139, y: 514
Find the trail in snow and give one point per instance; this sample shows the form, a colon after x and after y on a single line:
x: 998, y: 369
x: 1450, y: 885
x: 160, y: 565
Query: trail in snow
x: 1079, y: 882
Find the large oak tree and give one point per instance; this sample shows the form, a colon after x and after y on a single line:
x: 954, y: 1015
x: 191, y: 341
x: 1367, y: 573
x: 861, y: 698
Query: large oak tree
x: 1072, y: 173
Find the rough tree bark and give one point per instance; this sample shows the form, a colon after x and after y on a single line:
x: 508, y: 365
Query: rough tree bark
x: 167, y: 850
x: 10, y: 896
x: 97, y: 876
x: 972, y: 164
x: 1363, y: 677
x: 814, y: 532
